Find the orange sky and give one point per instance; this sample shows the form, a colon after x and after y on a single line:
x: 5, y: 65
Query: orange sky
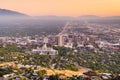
x: 64, y: 7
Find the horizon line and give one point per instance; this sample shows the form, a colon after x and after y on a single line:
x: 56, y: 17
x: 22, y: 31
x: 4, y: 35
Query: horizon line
x: 60, y: 15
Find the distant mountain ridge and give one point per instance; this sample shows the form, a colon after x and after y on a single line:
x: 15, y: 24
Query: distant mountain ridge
x: 89, y: 17
x: 6, y: 12
x: 54, y: 17
x: 113, y: 17
x: 97, y: 17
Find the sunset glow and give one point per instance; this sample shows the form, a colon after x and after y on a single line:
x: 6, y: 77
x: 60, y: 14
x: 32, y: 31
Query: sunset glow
x: 64, y: 7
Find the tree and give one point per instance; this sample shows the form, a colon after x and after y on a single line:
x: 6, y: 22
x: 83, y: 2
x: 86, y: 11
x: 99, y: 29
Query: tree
x: 54, y: 77
x: 41, y: 73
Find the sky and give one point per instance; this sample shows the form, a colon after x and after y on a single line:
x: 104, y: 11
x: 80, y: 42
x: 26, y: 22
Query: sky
x: 63, y: 7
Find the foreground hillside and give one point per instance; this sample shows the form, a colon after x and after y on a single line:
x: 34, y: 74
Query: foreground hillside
x: 102, y: 61
x: 49, y: 71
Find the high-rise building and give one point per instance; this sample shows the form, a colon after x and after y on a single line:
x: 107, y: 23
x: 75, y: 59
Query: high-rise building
x: 45, y: 40
x: 60, y: 40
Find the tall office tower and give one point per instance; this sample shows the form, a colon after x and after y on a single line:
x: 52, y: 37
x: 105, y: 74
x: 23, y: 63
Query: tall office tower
x: 45, y: 43
x: 60, y: 40
x: 45, y: 40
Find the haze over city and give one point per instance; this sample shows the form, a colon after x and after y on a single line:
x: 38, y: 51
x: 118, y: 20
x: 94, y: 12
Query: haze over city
x: 59, y: 39
x: 63, y: 7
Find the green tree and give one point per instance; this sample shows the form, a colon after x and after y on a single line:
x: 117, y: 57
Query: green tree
x: 41, y: 73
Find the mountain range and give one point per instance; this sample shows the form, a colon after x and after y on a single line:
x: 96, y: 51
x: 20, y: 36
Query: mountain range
x: 5, y: 12
x: 10, y: 13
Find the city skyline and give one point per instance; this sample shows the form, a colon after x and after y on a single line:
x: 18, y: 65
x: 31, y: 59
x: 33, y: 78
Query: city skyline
x: 63, y: 8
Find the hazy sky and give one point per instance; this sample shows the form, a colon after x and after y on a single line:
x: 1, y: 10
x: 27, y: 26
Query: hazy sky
x: 64, y: 7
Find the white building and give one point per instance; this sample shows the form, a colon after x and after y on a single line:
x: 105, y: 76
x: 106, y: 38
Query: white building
x: 45, y: 50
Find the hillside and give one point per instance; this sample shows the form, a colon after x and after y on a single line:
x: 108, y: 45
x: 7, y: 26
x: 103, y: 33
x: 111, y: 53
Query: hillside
x: 68, y: 73
x: 5, y: 12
